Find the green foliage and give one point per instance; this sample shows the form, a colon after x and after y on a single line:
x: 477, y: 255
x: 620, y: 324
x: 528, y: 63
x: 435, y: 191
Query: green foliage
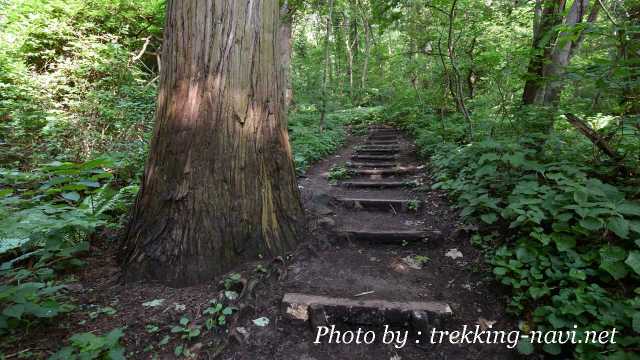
x: 68, y: 77
x: 217, y: 315
x: 90, y: 346
x: 339, y: 172
x: 572, y: 238
x: 413, y: 205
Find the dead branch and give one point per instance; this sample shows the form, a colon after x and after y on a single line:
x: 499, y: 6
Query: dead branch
x: 592, y: 135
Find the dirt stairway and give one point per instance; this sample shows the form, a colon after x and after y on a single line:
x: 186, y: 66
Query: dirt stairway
x: 366, y: 196
x: 377, y: 257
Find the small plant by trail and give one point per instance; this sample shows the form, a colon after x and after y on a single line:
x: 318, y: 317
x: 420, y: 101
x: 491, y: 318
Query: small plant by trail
x: 413, y: 205
x: 339, y: 172
x: 88, y: 346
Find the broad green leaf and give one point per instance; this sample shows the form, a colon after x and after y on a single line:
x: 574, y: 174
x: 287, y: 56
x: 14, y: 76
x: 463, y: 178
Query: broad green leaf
x: 525, y: 347
x: 14, y: 311
x: 619, y: 226
x: 629, y: 208
x: 71, y: 196
x: 580, y: 196
x: 612, y: 261
x: 564, y: 242
x: 633, y: 260
x: 537, y: 293
x: 577, y: 274
x: 591, y: 223
x: 552, y: 348
x: 500, y: 271
x: 489, y: 218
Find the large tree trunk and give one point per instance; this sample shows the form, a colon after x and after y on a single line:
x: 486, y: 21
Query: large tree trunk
x: 219, y: 185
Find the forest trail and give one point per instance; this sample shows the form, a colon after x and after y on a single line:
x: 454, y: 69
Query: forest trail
x: 383, y: 242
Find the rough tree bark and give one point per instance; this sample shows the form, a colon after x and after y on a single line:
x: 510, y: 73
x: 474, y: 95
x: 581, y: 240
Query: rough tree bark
x: 219, y: 186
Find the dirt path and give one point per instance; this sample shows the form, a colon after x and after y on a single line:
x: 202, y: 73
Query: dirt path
x: 356, y: 253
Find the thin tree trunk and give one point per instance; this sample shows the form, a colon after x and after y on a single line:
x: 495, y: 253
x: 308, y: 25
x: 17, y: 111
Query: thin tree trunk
x: 546, y: 20
x: 471, y: 75
x: 367, y: 51
x: 285, y: 33
x: 630, y: 54
x: 456, y: 72
x: 219, y: 186
x: 349, y: 50
x: 327, y: 65
x: 563, y: 51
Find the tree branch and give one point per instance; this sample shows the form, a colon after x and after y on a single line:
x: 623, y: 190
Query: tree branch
x: 592, y: 135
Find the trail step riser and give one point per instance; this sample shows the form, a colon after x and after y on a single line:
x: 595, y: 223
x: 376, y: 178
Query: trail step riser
x: 376, y: 151
x: 374, y: 157
x: 384, y: 172
x: 384, y: 132
x: 379, y: 147
x: 372, y: 165
x: 382, y: 138
x: 322, y: 311
x: 378, y: 185
x: 382, y: 237
x: 382, y: 142
x: 376, y: 204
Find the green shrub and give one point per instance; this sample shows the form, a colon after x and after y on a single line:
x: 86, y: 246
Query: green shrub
x: 564, y: 239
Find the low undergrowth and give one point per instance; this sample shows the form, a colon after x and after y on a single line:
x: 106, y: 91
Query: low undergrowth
x: 49, y: 212
x: 560, y: 227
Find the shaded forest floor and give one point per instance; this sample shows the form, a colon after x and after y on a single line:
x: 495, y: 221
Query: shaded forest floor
x: 444, y: 267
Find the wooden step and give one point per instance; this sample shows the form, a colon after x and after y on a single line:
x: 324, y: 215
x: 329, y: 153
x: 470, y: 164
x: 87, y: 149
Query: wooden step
x: 382, y: 236
x: 381, y: 142
x: 377, y: 151
x: 382, y: 137
x: 385, y: 172
x: 402, y: 205
x: 377, y: 147
x: 327, y: 311
x: 374, y: 157
x: 372, y: 164
x: 384, y: 131
x: 378, y: 184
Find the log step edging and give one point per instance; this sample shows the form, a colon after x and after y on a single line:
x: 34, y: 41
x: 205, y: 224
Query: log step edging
x: 383, y: 137
x: 372, y: 164
x: 323, y: 310
x: 378, y: 184
x: 377, y: 151
x: 378, y: 147
x: 389, y: 236
x: 381, y: 204
x: 384, y: 172
x: 374, y: 157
